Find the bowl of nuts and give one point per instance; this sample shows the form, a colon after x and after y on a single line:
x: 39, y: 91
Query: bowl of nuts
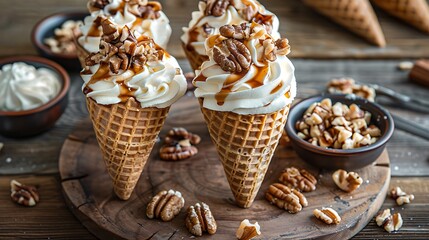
x: 53, y: 37
x: 335, y: 131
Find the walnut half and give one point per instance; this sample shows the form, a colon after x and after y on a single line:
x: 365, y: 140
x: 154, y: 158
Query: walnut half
x: 347, y: 181
x: 23, y: 195
x: 199, y: 219
x: 285, y: 198
x: 327, y: 215
x: 300, y: 179
x: 247, y: 230
x: 165, y: 205
x: 400, y: 196
x: 388, y: 221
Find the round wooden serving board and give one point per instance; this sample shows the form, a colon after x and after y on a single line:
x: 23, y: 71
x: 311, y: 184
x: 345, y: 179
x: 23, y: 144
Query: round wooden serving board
x: 88, y: 190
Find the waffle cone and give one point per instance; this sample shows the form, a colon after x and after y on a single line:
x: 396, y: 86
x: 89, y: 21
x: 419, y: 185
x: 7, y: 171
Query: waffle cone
x: 414, y: 12
x: 356, y: 15
x: 81, y: 52
x: 245, y: 145
x: 126, y: 134
x: 195, y: 59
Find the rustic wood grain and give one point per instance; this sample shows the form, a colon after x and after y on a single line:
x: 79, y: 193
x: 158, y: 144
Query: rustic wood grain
x: 88, y: 190
x: 311, y: 35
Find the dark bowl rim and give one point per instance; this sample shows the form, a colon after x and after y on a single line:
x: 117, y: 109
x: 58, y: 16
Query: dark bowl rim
x: 290, y: 127
x: 61, y: 72
x: 45, y: 48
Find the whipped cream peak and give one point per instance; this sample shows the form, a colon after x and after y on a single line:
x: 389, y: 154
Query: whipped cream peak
x: 247, y: 71
x: 131, y: 65
x: 213, y: 14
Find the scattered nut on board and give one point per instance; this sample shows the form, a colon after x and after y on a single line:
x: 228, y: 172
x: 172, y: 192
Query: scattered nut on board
x: 327, y: 215
x: 388, y: 221
x: 24, y: 195
x: 165, y: 205
x: 299, y: 179
x: 347, y: 181
x: 199, y: 219
x: 248, y: 230
x: 400, y: 196
x: 179, y: 145
x: 285, y: 198
x: 337, y: 126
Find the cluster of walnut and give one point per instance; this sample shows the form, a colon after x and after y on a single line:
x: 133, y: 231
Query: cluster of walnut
x: 179, y: 145
x: 337, y: 126
x: 167, y: 204
x: 249, y: 13
x: 287, y: 194
x: 141, y: 8
x: 347, y: 181
x: 388, y: 221
x: 348, y: 86
x: 63, y: 40
x: 400, y: 196
x: 232, y: 55
x: 121, y: 50
x: 24, y: 195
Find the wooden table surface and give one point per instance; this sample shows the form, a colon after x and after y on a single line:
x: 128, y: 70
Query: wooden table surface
x: 35, y: 160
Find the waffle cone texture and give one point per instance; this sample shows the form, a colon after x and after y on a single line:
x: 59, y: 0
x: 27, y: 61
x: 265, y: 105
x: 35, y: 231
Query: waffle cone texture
x: 414, y: 12
x: 126, y: 134
x: 356, y: 15
x: 245, y: 145
x: 194, y: 58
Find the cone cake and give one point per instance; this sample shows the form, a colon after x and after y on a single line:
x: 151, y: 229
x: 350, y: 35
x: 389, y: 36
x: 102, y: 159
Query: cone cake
x: 130, y: 84
x: 356, y: 15
x: 245, y: 144
x: 126, y: 134
x: 414, y: 12
x: 245, y: 102
x: 213, y: 14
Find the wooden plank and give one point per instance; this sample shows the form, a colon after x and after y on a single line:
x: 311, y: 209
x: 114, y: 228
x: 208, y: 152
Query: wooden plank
x: 88, y: 190
x: 311, y: 35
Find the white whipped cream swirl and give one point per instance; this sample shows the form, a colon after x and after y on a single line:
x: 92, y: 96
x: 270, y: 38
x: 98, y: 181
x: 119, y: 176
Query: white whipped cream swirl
x: 265, y: 88
x: 23, y: 87
x: 158, y: 29
x: 231, y: 16
x: 160, y: 84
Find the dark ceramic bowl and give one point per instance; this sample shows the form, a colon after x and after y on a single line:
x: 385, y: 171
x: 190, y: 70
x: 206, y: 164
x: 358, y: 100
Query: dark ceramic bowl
x: 45, y: 29
x: 34, y: 121
x: 347, y: 159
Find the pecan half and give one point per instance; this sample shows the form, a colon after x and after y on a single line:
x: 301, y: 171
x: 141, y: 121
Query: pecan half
x: 299, y: 179
x: 179, y: 145
x: 388, y: 221
x: 216, y: 8
x: 233, y: 56
x: 347, y: 181
x: 239, y: 32
x: 199, y: 219
x: 24, y: 195
x: 165, y: 205
x: 247, y: 230
x: 327, y: 215
x: 285, y: 198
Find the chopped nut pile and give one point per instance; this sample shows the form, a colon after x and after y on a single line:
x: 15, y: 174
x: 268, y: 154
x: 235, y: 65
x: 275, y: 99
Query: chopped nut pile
x: 199, y: 219
x: 347, y: 181
x: 179, y: 145
x: 24, y: 195
x: 337, y: 126
x: 165, y: 205
x: 63, y: 39
x: 400, y: 196
x: 299, y: 179
x: 327, y: 215
x: 388, y: 221
x: 286, y: 198
x: 248, y: 230
x: 348, y: 86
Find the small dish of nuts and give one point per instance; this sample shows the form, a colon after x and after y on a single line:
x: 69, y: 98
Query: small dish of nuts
x: 335, y: 131
x: 53, y: 38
